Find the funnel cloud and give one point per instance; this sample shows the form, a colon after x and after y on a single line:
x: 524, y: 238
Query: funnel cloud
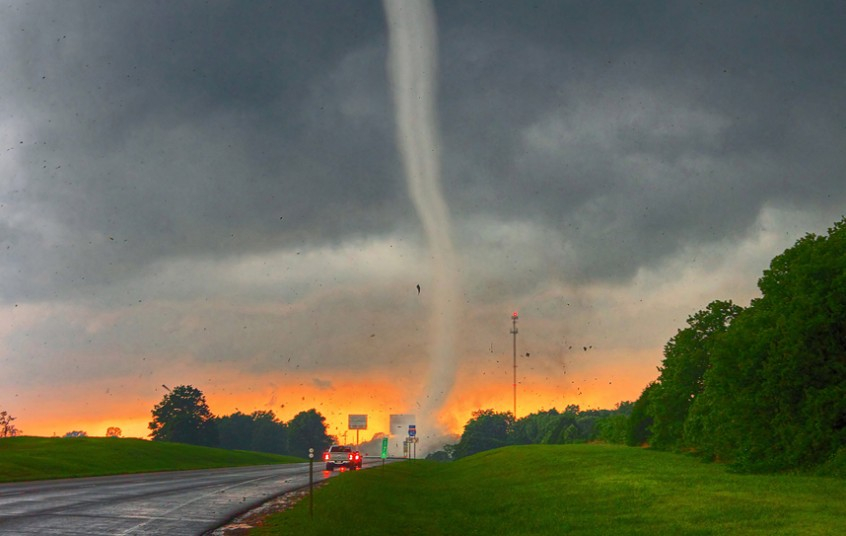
x: 412, y: 68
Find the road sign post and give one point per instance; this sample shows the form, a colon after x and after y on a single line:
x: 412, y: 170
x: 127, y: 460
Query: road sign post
x: 384, y: 450
x: 412, y: 440
x: 311, y: 483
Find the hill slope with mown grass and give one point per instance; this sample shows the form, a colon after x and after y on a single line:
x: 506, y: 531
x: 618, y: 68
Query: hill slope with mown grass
x: 567, y: 489
x: 37, y: 458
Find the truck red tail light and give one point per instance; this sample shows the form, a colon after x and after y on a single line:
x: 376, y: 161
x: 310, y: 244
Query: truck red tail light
x: 326, y: 456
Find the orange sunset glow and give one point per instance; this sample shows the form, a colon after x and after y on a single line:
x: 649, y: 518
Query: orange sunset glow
x: 477, y: 387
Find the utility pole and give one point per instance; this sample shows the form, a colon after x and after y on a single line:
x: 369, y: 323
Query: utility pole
x: 514, y: 332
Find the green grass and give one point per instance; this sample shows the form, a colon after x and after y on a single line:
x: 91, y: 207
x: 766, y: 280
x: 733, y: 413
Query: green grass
x: 567, y: 489
x: 37, y: 458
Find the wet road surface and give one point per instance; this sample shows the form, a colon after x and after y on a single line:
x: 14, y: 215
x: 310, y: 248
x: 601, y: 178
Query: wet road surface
x: 173, y: 503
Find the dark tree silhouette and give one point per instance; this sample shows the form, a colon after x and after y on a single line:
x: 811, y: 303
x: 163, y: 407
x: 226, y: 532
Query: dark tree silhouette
x: 7, y: 428
x: 307, y: 430
x: 184, y: 417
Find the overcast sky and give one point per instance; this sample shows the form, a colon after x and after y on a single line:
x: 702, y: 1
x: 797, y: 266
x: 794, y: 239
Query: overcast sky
x: 212, y: 194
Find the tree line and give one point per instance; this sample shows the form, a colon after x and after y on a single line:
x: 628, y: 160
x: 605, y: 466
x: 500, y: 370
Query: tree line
x: 488, y: 429
x: 762, y: 388
x: 183, y: 416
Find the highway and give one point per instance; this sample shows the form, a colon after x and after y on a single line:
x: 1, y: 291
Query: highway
x: 172, y: 503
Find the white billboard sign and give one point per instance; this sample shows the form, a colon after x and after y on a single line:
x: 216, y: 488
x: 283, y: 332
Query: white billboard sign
x: 358, y: 422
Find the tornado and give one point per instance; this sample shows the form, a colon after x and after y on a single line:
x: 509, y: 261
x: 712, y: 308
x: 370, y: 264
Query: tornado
x: 412, y: 71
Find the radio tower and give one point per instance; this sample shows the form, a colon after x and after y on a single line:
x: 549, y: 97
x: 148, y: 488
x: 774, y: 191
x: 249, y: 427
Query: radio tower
x: 514, y: 332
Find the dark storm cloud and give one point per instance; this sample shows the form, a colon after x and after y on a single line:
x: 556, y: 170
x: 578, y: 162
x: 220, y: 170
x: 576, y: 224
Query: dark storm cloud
x: 633, y: 129
x: 159, y: 129
x: 152, y: 130
x: 135, y: 132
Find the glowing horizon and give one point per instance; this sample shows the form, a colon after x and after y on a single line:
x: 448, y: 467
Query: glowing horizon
x: 597, y: 389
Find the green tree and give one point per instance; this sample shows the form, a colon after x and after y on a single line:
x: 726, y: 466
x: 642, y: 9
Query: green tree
x: 615, y: 427
x: 260, y: 431
x: 438, y: 456
x: 183, y: 416
x: 487, y: 429
x: 268, y: 434
x: 725, y: 419
x: 775, y: 395
x: 681, y: 379
x: 543, y: 427
x: 640, y: 419
x: 235, y: 431
x: 308, y: 430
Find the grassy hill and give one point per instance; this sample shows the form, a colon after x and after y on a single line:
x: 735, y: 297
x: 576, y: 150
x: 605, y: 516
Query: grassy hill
x: 35, y: 458
x: 568, y: 489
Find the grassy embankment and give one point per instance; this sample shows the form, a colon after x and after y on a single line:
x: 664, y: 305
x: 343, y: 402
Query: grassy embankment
x: 568, y: 489
x: 35, y: 458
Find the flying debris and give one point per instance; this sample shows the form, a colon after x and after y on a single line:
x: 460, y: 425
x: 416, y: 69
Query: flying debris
x: 166, y: 387
x: 418, y: 290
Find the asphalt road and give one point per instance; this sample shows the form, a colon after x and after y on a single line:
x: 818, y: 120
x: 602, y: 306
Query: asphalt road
x: 173, y: 504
